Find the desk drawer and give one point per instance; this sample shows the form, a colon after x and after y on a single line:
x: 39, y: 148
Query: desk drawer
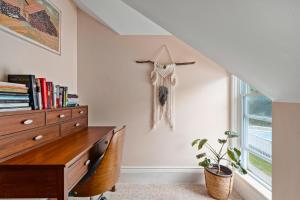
x: 10, y: 124
x: 21, y: 141
x: 73, y: 126
x: 79, y: 112
x: 58, y: 116
x: 77, y: 170
x: 103, y: 144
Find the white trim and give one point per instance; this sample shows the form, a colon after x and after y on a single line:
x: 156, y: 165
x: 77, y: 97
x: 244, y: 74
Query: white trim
x: 161, y: 175
x: 159, y: 169
x: 250, y: 189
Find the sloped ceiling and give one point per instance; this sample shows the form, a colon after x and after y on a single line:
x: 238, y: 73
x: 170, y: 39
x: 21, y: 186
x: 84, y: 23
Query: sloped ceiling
x: 259, y: 41
x: 120, y: 17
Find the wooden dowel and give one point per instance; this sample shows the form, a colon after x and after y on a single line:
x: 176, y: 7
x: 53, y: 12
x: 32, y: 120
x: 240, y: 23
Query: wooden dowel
x: 178, y: 63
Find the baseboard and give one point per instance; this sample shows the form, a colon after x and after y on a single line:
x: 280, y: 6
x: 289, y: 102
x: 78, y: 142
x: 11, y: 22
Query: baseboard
x: 161, y: 175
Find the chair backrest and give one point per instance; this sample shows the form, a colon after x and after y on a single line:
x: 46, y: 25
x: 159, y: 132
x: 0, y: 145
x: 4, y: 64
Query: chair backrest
x: 107, y: 172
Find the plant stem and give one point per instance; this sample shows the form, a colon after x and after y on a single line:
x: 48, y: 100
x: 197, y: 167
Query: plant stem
x: 212, y: 150
x: 219, y: 167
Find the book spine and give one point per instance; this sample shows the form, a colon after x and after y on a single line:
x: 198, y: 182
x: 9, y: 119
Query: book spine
x: 39, y: 94
x: 32, y: 90
x: 13, y: 105
x: 65, y: 96
x: 54, y: 96
x: 61, y: 91
x: 44, y: 92
x: 51, y: 95
x: 49, y: 99
x: 57, y: 96
x: 12, y: 84
x: 8, y: 97
x: 14, y: 101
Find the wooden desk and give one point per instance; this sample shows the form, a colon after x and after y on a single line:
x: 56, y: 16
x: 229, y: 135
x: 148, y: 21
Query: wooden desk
x: 52, y: 168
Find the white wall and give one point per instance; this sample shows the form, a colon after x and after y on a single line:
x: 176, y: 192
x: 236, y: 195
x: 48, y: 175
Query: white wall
x: 19, y: 56
x: 118, y: 91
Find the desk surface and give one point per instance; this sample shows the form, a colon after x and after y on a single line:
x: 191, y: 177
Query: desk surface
x: 61, y: 152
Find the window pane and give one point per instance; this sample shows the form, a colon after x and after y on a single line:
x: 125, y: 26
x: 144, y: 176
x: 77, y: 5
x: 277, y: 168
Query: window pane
x: 260, y: 168
x: 260, y: 139
x: 259, y: 105
x: 257, y: 134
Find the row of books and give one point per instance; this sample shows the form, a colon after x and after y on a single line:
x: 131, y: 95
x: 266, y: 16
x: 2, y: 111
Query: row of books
x: 14, y: 97
x: 42, y: 94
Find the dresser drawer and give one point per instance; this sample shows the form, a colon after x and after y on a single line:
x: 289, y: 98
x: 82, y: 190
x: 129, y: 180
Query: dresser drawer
x: 77, y: 170
x: 58, y: 116
x: 21, y: 141
x: 10, y: 124
x: 79, y: 112
x: 73, y: 126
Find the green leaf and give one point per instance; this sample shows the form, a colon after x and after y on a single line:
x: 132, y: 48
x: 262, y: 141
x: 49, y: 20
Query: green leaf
x: 205, y: 163
x: 222, y: 141
x: 195, y: 142
x: 239, y: 168
x: 232, y: 155
x: 231, y: 134
x: 202, y: 143
x: 201, y: 155
x: 238, y: 152
x: 243, y: 171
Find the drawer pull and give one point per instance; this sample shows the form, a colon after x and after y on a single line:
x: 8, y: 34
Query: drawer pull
x: 37, y: 138
x: 81, y: 112
x: 61, y: 116
x: 28, y: 122
x: 87, y: 162
x: 77, y: 124
x: 106, y: 142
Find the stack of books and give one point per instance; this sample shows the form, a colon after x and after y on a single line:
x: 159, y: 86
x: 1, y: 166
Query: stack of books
x: 73, y: 100
x: 43, y: 94
x: 13, y: 97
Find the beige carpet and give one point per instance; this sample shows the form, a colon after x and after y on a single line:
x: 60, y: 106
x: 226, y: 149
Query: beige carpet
x: 162, y: 192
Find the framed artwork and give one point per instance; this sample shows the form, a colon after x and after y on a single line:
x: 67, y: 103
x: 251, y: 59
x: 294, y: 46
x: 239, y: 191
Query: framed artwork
x: 36, y: 21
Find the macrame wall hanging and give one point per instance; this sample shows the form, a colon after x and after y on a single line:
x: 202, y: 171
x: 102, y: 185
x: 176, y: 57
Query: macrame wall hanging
x: 164, y: 80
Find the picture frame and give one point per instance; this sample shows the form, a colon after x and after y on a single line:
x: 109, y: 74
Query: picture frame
x: 35, y: 21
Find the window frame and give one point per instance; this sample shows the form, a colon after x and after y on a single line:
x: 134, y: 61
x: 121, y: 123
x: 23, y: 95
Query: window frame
x: 239, y: 123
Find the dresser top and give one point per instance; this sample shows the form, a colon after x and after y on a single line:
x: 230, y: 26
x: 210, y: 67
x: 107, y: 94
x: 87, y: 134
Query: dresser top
x: 63, y: 151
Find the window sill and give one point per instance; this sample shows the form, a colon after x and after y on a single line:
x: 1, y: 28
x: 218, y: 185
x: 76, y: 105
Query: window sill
x: 245, y: 185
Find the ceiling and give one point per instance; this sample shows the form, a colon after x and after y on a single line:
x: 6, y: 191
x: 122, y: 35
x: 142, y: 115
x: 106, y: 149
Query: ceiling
x: 259, y: 41
x: 120, y: 17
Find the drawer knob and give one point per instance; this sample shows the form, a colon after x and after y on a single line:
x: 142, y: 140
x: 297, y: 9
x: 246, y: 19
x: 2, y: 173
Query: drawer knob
x: 106, y: 142
x: 62, y: 116
x: 39, y: 137
x: 87, y: 162
x: 81, y: 112
x: 28, y: 122
x: 77, y: 124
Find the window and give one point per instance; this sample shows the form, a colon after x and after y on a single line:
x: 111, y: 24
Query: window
x: 256, y: 132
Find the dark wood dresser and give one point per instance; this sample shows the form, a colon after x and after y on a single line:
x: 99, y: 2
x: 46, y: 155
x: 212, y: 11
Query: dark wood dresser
x: 44, y: 154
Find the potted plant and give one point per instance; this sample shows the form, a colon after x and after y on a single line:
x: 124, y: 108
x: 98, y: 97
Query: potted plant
x: 218, y: 177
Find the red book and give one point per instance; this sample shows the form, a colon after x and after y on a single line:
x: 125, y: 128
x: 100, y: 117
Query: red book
x: 44, y: 92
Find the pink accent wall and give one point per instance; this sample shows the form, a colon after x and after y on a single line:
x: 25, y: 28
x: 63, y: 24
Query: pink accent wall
x: 18, y: 56
x: 286, y: 150
x: 118, y: 91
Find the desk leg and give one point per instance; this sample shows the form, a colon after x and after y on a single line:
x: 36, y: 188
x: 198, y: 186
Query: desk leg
x: 62, y: 189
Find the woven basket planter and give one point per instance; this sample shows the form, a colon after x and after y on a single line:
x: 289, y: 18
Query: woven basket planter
x: 219, y: 186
